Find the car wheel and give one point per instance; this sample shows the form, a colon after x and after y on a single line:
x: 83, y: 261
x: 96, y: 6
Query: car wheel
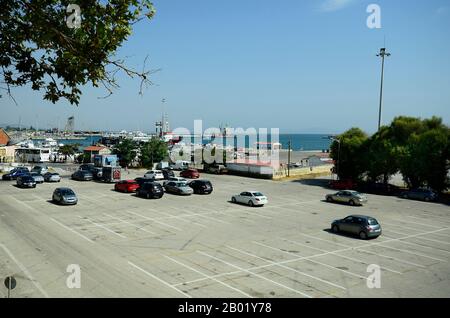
x: 363, y: 235
x: 251, y: 203
x: 233, y: 199
x: 335, y: 229
x: 405, y: 196
x: 427, y: 199
x: 329, y: 199
x: 352, y: 203
x: 148, y: 196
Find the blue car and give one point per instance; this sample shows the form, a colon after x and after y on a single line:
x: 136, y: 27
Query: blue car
x: 15, y: 173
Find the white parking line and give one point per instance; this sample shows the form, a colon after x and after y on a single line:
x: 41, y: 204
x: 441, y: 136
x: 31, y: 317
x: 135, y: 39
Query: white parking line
x: 308, y: 257
x: 209, y: 277
x: 182, y: 219
x: 310, y: 260
x: 126, y: 222
x: 155, y: 220
x: 72, y: 230
x: 203, y: 215
x: 102, y: 226
x: 433, y: 240
x: 425, y: 246
x: 367, y: 252
x: 422, y: 224
x: 255, y: 274
x: 402, y: 226
x: 25, y: 271
x: 287, y: 267
x: 159, y: 279
x: 346, y: 257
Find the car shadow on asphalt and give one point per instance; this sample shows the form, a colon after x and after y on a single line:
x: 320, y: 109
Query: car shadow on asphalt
x: 341, y: 203
x: 243, y: 204
x: 347, y: 235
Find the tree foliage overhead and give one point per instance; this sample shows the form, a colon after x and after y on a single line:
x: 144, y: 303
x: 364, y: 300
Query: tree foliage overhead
x: 39, y: 48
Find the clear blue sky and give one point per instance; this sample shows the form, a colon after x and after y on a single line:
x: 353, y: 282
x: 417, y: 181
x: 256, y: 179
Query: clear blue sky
x: 301, y: 66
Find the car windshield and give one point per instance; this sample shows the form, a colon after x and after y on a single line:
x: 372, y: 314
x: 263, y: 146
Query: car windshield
x: 181, y: 184
x: 258, y: 194
x: 372, y: 222
x: 67, y: 192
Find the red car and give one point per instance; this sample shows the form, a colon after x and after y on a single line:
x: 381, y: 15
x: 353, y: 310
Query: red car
x: 190, y: 173
x: 126, y: 186
x: 345, y: 184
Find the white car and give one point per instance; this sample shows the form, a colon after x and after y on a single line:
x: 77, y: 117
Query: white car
x: 251, y: 198
x: 154, y: 174
x: 178, y: 179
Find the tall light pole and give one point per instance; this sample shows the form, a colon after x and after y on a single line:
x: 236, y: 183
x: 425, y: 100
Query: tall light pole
x: 382, y: 53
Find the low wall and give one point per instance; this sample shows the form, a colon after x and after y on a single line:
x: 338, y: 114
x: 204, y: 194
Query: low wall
x: 305, y: 172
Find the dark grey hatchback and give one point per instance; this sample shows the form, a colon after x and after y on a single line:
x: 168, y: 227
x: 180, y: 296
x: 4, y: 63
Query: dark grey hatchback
x: 64, y: 196
x: 361, y: 225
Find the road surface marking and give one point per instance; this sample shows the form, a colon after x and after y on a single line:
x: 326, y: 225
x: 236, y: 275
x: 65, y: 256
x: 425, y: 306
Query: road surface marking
x: 25, y: 271
x: 257, y: 275
x: 72, y: 230
x: 159, y: 279
x: 209, y: 277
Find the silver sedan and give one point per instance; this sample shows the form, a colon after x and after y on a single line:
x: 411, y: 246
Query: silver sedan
x: 347, y: 196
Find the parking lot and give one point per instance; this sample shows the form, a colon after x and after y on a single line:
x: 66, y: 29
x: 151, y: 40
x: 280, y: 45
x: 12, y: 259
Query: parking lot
x: 206, y: 246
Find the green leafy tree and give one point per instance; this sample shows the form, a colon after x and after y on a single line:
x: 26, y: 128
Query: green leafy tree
x: 346, y: 152
x: 68, y: 150
x: 379, y: 156
x: 152, y: 151
x: 43, y: 46
x: 126, y: 150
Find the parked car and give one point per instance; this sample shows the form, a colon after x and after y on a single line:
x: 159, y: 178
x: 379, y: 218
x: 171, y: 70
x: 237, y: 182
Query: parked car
x: 155, y: 174
x: 96, y: 172
x: 251, y: 198
x: 178, y: 187
x: 174, y: 179
x: 37, y: 177
x: 347, y: 196
x: 40, y: 169
x: 126, y: 186
x: 190, y: 173
x: 201, y: 186
x: 64, y: 196
x: 52, y: 177
x: 82, y: 175
x: 361, y: 225
x: 378, y: 188
x: 167, y: 173
x: 420, y: 194
x: 149, y: 190
x: 16, y: 172
x: 345, y: 184
x: 140, y: 180
x: 26, y: 181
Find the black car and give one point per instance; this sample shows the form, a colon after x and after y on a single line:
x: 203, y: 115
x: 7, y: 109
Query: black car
x: 150, y: 190
x: 142, y: 180
x: 201, y: 186
x: 26, y: 181
x: 82, y: 175
x: 15, y: 173
x: 378, y: 188
x: 361, y: 225
x: 168, y: 173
